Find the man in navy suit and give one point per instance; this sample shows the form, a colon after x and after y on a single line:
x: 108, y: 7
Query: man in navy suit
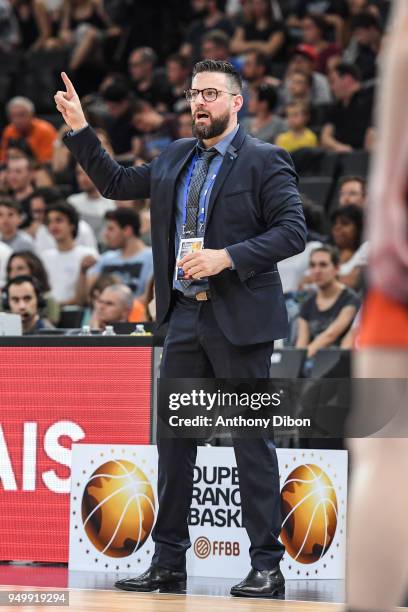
x: 238, y: 197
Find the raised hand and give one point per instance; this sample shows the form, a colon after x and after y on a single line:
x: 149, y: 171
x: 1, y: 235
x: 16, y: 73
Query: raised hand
x: 69, y: 105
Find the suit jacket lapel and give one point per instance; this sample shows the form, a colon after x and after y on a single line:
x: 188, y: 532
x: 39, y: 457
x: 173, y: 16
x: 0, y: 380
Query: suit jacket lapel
x: 224, y: 170
x: 226, y: 165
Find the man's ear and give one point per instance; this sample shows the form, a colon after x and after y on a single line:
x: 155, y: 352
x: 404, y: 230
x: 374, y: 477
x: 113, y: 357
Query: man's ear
x: 238, y: 102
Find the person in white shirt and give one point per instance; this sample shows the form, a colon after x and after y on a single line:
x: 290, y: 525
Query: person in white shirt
x: 43, y: 240
x: 65, y: 262
x: 90, y: 205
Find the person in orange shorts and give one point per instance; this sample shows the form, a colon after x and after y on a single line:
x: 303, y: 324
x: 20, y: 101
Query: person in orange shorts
x: 377, y: 568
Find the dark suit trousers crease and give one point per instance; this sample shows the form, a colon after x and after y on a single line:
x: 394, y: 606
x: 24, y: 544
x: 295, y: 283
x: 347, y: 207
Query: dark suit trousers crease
x: 196, y: 348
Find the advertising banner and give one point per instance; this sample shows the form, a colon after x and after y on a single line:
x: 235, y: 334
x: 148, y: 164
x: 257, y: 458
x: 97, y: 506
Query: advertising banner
x: 51, y: 397
x: 114, y: 505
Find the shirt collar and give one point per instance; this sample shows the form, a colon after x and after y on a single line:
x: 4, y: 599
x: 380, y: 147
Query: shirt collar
x: 222, y: 146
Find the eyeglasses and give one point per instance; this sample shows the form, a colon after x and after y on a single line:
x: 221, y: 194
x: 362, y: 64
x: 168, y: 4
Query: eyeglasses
x: 209, y: 94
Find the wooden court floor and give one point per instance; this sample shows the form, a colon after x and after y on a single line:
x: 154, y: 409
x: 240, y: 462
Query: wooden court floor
x: 117, y: 601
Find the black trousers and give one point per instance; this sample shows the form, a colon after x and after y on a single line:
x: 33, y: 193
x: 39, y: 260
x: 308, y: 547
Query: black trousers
x: 195, y: 347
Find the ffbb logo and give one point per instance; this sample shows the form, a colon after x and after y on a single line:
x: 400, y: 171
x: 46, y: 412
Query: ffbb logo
x: 203, y: 548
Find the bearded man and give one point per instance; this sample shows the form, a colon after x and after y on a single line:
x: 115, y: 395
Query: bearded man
x: 225, y: 210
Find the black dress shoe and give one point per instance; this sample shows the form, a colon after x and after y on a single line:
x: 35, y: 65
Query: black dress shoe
x: 153, y: 579
x: 261, y: 583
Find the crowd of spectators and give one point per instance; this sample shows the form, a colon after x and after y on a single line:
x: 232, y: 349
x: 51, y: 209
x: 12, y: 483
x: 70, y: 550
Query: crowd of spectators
x: 309, y: 70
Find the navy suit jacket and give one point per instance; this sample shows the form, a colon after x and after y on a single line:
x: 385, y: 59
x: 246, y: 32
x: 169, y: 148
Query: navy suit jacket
x: 255, y: 210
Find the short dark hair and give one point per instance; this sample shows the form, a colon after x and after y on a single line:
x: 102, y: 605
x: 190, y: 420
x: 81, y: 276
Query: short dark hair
x: 69, y: 211
x: 48, y: 194
x: 20, y: 280
x: 219, y: 66
x: 125, y: 217
x: 267, y: 93
x: 354, y: 214
x: 218, y: 37
x: 332, y: 251
x: 10, y: 203
x: 344, y: 69
x: 358, y: 179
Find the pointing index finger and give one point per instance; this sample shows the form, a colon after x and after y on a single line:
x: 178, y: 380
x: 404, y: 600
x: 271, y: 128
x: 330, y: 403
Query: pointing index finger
x: 69, y: 86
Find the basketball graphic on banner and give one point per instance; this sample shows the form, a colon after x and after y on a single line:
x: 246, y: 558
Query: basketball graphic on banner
x: 118, y: 508
x: 309, y: 513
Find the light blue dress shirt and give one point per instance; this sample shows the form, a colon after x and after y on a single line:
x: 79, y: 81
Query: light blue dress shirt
x: 214, y: 167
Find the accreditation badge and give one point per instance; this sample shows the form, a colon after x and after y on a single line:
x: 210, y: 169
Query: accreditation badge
x: 187, y: 246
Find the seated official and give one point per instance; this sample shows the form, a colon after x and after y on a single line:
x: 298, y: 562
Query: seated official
x: 328, y: 314
x: 128, y: 257
x: 22, y: 296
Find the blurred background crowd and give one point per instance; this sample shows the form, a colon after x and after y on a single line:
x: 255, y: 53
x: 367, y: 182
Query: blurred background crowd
x: 69, y: 256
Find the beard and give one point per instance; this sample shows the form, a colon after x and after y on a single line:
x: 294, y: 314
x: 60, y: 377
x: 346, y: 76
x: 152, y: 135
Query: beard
x: 215, y: 127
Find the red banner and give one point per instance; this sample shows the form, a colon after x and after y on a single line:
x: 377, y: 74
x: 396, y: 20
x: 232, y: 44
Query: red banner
x: 49, y: 398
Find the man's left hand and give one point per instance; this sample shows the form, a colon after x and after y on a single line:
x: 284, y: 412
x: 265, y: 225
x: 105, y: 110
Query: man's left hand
x: 206, y: 262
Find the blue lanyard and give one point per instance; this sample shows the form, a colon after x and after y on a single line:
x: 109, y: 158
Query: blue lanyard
x: 201, y: 217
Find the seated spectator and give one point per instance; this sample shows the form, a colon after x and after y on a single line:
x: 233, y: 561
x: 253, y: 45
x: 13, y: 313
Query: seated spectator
x: 293, y: 269
x: 38, y: 133
x: 300, y: 87
x: 157, y: 130
x: 20, y: 182
x: 145, y: 84
x: 349, y: 122
x: 113, y: 306
x: 262, y: 33
x: 255, y: 70
x: 298, y: 136
x: 130, y: 259
x: 208, y: 17
x: 81, y: 28
x: 263, y: 122
x: 66, y: 262
x: 10, y: 220
x: 304, y: 60
x: 316, y: 34
x: 178, y: 72
x: 23, y: 296
x: 216, y: 46
x: 364, y: 45
x: 184, y: 125
x: 353, y: 190
x: 38, y: 230
x: 26, y: 262
x: 89, y: 203
x: 346, y: 232
x: 119, y: 104
x: 326, y: 316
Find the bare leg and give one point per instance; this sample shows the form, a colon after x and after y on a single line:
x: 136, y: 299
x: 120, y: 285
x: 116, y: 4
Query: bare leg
x: 378, y: 551
x: 83, y: 48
